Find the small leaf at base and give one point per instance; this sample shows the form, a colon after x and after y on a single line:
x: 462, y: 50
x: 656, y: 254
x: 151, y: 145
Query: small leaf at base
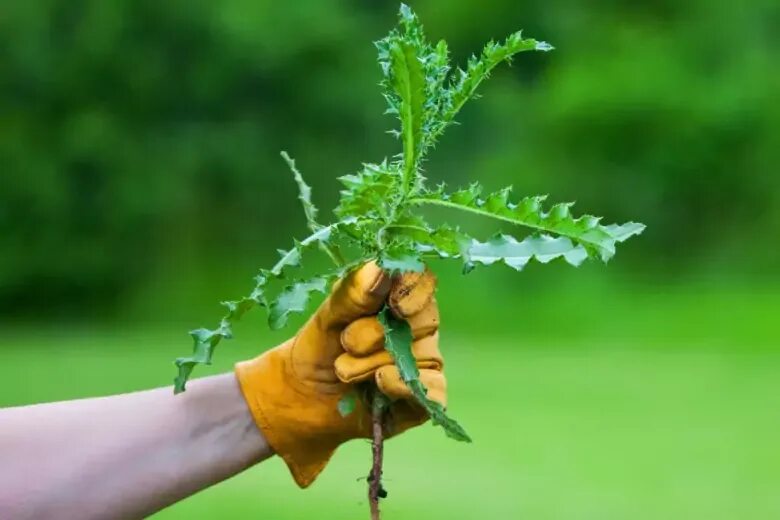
x: 347, y: 404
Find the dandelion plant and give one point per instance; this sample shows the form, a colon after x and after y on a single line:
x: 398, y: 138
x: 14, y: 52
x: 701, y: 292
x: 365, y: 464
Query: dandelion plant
x: 378, y: 215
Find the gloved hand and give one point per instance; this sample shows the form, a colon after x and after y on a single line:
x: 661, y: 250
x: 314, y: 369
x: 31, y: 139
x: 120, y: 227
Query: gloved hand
x: 293, y: 390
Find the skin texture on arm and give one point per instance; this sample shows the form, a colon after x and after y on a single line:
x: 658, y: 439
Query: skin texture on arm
x: 124, y: 456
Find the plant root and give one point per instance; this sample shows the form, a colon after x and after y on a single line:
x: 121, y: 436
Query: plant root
x: 375, y: 490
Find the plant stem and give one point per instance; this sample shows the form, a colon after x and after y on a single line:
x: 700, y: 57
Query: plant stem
x: 379, y: 405
x: 334, y: 252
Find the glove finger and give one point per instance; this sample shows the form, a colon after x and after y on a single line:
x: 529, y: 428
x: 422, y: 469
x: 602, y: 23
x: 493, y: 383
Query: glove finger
x: 390, y: 383
x: 411, y: 292
x: 354, y: 369
x: 365, y: 336
x: 361, y: 293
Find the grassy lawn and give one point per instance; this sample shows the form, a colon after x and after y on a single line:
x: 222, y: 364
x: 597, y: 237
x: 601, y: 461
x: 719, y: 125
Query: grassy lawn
x: 571, y: 432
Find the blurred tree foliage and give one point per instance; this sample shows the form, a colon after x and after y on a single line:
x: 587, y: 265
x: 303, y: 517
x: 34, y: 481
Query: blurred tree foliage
x: 139, y: 139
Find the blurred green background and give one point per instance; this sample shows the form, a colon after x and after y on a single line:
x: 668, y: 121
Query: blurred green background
x: 140, y: 184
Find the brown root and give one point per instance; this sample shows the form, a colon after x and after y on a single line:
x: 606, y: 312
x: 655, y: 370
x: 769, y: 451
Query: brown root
x: 375, y: 490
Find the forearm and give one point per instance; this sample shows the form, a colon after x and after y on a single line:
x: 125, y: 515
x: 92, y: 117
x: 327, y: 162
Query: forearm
x: 124, y: 456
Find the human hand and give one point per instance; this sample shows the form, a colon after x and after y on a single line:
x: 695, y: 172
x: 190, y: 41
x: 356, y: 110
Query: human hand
x: 294, y: 389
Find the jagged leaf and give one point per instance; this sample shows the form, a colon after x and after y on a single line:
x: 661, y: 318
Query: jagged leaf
x: 310, y: 210
x: 367, y: 192
x: 414, y: 74
x: 444, y: 241
x: 409, y: 84
x: 304, y: 193
x: 292, y: 258
x: 464, y: 84
x: 621, y: 233
x: 294, y: 298
x: 505, y: 249
x: 205, y: 340
x: 585, y: 231
x: 444, y: 94
x: 437, y: 67
x: 398, y: 341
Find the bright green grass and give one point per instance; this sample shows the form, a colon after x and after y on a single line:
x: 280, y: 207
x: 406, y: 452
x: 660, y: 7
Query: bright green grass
x: 566, y: 432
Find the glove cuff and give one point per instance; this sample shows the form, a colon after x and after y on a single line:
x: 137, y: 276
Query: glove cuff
x: 296, y: 423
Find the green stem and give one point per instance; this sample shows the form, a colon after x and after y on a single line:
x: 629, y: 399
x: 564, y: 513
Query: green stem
x: 334, y: 252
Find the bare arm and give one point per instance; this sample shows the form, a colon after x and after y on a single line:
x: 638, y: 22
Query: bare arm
x: 127, y: 456
x: 124, y: 456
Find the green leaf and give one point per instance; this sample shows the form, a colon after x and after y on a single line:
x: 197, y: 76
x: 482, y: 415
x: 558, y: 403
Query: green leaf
x: 408, y: 82
x: 437, y: 67
x: 621, y: 233
x: 408, y: 70
x: 304, y: 193
x: 347, y: 404
x: 292, y: 258
x: 464, y: 84
x: 442, y: 99
x: 443, y: 241
x: 294, y: 298
x: 586, y: 231
x: 310, y: 210
x: 398, y: 341
x: 206, y: 340
x: 400, y: 260
x: 505, y: 249
x: 368, y: 191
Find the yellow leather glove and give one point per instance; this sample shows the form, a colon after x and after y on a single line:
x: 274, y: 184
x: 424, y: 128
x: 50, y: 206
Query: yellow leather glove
x: 293, y: 390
